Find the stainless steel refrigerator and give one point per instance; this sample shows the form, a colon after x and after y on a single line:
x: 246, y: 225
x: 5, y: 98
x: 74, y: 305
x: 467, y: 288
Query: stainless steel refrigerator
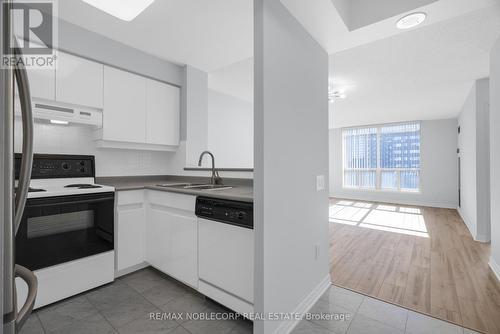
x: 12, y: 202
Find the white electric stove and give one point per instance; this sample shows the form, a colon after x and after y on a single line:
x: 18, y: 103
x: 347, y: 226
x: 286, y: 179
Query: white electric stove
x: 66, y: 235
x: 66, y: 187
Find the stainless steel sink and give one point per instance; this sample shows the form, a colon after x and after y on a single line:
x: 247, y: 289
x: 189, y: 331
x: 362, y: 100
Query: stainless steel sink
x: 209, y: 187
x: 195, y: 186
x: 179, y: 185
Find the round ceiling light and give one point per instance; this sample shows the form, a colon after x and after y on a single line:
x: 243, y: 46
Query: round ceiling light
x: 411, y: 20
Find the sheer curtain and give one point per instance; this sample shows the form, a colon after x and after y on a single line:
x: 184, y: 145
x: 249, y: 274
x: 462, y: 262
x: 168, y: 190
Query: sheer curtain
x: 385, y: 157
x: 360, y: 157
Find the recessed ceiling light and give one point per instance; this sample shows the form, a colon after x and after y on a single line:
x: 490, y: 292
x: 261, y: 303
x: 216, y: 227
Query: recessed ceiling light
x: 126, y: 10
x: 411, y: 20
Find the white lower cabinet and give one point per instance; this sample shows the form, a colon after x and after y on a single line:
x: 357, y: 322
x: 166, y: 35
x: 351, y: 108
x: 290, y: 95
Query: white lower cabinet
x: 172, y: 236
x: 161, y: 229
x: 130, y: 230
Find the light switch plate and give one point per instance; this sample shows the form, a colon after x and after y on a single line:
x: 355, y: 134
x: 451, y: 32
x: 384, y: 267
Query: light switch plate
x: 320, y: 182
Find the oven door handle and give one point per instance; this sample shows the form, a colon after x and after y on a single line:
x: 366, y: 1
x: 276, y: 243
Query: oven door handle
x: 32, y: 282
x: 23, y: 87
x: 83, y: 201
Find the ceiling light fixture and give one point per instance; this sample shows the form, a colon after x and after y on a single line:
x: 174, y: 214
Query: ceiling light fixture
x: 55, y: 121
x: 411, y: 20
x: 126, y: 10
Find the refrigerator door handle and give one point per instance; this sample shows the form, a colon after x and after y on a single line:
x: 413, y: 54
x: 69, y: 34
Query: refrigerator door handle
x: 28, y: 125
x: 29, y: 277
x: 32, y: 282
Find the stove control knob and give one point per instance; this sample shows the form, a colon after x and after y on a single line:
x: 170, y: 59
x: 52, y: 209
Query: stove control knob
x: 82, y: 169
x: 65, y: 166
x: 82, y: 163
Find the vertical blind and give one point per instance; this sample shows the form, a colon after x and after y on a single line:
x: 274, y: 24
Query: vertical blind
x: 383, y: 157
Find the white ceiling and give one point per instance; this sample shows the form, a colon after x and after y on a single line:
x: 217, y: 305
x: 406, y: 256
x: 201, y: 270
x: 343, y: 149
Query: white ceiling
x: 422, y: 74
x: 360, y: 13
x: 207, y: 34
x: 324, y: 22
x: 392, y: 75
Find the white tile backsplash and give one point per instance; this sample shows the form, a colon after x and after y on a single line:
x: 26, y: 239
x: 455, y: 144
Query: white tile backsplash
x: 76, y: 139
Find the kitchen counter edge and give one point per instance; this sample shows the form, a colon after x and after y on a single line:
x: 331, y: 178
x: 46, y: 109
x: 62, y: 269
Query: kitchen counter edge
x: 242, y: 191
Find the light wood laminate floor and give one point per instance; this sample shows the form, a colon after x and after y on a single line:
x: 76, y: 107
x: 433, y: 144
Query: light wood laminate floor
x: 420, y: 258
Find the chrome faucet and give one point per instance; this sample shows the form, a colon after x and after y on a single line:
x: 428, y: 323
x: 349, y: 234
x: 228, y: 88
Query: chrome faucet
x: 215, y: 179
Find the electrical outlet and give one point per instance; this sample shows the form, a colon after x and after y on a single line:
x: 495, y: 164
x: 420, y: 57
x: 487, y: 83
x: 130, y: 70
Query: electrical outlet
x: 320, y: 182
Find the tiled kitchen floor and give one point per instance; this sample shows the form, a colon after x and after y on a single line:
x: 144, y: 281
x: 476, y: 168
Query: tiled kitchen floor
x: 124, y: 307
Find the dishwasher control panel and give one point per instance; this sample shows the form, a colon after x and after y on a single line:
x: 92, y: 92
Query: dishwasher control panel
x: 225, y: 211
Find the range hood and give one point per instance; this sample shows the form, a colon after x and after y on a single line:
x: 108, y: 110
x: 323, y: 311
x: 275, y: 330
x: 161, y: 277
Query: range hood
x: 63, y: 113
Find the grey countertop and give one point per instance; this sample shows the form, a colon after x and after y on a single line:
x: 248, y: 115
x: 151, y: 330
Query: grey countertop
x: 242, y: 188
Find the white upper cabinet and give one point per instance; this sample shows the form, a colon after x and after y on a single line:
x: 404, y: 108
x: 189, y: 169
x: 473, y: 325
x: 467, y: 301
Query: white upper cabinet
x: 124, y: 106
x: 138, y: 113
x: 79, y: 81
x: 162, y: 113
x: 42, y: 83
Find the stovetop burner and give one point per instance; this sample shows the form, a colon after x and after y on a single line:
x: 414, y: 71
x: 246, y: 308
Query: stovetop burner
x: 83, y: 186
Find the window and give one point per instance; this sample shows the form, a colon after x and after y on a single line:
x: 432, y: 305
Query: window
x: 385, y: 157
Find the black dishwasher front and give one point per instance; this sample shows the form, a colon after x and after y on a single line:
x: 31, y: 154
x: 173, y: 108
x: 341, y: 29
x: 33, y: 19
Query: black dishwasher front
x: 225, y: 211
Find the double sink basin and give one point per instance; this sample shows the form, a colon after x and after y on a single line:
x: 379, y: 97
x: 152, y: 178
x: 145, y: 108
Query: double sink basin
x: 195, y: 186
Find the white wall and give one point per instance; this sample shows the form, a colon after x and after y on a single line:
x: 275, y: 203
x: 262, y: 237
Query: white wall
x: 235, y: 80
x: 467, y: 145
x: 196, y: 87
x: 230, y: 130
x: 473, y: 142
x: 483, y: 232
x: 439, y: 170
x: 495, y: 157
x: 291, y: 149
x: 177, y: 161
x: 73, y: 139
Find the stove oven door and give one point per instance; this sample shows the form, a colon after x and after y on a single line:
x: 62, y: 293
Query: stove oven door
x: 55, y: 230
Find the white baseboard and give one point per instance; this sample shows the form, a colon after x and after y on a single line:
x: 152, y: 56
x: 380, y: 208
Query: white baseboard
x: 475, y: 236
x: 495, y: 268
x: 287, y: 327
x: 467, y: 222
x: 482, y: 238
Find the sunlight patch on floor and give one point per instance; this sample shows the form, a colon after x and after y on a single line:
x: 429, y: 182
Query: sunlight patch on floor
x: 390, y: 218
x: 386, y: 208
